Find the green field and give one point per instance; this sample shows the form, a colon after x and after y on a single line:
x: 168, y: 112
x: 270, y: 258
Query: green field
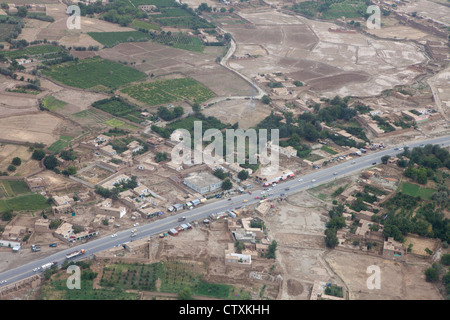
x: 169, y: 91
x: 5, y: 31
x: 158, y: 3
x: 110, y: 39
x: 139, y: 24
x: 59, y: 145
x: 12, y: 188
x: 313, y: 157
x: 115, y: 123
x: 173, y: 275
x: 32, y: 51
x: 51, y: 103
x: 179, y: 41
x: 25, y: 202
x: 92, y: 72
x: 329, y: 150
x: 119, y: 108
x: 416, y: 190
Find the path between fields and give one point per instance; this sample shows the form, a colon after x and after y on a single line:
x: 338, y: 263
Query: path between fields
x: 173, y: 295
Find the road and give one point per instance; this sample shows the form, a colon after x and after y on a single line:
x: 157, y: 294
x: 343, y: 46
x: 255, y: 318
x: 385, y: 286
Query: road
x: 288, y: 187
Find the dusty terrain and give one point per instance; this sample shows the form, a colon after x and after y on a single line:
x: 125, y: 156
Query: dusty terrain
x: 248, y: 113
x: 331, y: 63
x: 298, y: 227
x: 399, y: 281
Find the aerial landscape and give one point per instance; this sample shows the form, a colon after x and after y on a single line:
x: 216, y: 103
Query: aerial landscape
x: 351, y: 98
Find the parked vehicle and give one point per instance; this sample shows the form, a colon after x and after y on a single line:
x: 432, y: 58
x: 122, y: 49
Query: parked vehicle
x: 181, y: 219
x: 52, y: 245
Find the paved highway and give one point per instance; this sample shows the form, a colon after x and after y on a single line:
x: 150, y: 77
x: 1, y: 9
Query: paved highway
x: 288, y: 187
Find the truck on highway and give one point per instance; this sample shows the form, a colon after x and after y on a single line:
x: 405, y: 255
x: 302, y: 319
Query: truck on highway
x: 75, y: 254
x: 47, y: 266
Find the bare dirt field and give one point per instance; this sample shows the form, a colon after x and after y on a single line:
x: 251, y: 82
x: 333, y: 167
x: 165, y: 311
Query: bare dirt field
x: 333, y: 63
x: 399, y: 281
x: 13, y: 104
x: 40, y: 127
x: 247, y: 113
x: 298, y: 226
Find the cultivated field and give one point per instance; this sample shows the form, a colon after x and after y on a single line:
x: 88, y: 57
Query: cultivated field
x: 93, y: 72
x: 157, y: 59
x: 168, y: 91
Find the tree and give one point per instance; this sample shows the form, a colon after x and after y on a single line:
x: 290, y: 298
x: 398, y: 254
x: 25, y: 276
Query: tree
x: 161, y: 156
x: 431, y: 275
x: 22, y: 11
x: 272, y: 248
x: 227, y: 184
x: 16, y: 161
x: 7, y: 215
x: 196, y: 107
x: 70, y: 171
x: 445, y: 260
x: 54, y: 224
x: 38, y: 154
x: 219, y: 173
x: 385, y: 159
x: 331, y: 239
x: 243, y: 175
x: 11, y: 168
x: 265, y: 99
x: 50, y: 162
x: 185, y: 294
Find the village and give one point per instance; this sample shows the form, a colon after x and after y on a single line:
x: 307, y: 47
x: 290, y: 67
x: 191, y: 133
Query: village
x: 95, y: 161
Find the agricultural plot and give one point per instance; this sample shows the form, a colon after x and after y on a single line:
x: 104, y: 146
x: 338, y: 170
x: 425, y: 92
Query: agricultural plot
x: 25, y: 202
x: 169, y: 91
x: 91, y: 114
x: 158, y: 3
x: 416, y: 190
x: 5, y: 30
x: 179, y: 41
x: 173, y: 277
x: 59, y: 145
x: 92, y: 72
x: 32, y: 51
x: 329, y: 150
x: 139, y: 24
x: 111, y: 39
x: 172, y: 12
x: 119, y: 108
x: 12, y: 188
x: 348, y: 9
x: 57, y: 290
x: 51, y: 103
x: 190, y: 22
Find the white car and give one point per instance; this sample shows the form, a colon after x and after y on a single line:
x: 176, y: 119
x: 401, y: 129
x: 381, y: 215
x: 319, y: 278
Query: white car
x: 353, y: 162
x: 273, y: 185
x: 313, y: 180
x: 114, y: 235
x: 136, y: 224
x: 300, y: 180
